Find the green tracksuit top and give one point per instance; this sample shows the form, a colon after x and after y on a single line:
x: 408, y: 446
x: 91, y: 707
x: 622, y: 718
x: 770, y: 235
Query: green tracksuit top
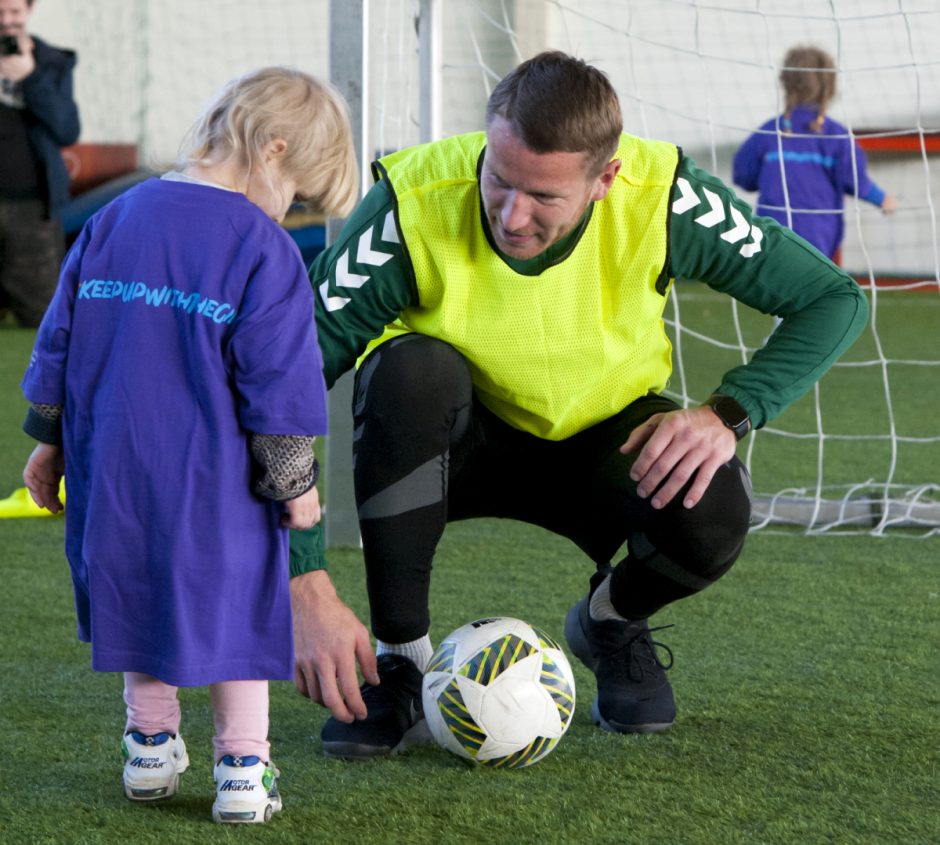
x: 365, y: 281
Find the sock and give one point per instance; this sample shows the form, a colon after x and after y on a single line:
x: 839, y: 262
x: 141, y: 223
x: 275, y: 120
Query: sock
x: 418, y: 651
x: 601, y: 607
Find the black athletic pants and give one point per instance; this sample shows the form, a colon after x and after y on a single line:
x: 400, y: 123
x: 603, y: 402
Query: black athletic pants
x: 426, y: 452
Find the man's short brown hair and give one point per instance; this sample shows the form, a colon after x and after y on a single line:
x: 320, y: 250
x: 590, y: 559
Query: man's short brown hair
x: 557, y: 103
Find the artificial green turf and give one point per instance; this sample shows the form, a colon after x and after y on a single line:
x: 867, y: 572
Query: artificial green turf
x: 807, y: 681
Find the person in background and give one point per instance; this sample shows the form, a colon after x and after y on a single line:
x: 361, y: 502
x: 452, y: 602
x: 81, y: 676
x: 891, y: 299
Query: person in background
x: 176, y: 382
x: 802, y: 163
x: 38, y: 117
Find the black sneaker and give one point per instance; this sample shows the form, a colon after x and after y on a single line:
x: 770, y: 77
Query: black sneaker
x: 633, y: 693
x: 395, y: 719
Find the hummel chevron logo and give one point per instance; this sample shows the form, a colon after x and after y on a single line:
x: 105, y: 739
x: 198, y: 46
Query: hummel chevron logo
x: 740, y: 230
x: 389, y: 232
x: 332, y: 303
x: 345, y: 279
x: 754, y: 247
x: 366, y: 255
x: 716, y: 214
x: 689, y: 198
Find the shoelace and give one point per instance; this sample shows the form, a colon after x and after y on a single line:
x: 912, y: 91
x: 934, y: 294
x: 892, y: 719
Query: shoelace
x: 643, y: 655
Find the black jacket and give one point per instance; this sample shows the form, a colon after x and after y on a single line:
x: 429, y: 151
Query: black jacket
x: 51, y: 117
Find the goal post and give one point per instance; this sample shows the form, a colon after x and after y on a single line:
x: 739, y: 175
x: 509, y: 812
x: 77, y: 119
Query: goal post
x: 349, y: 70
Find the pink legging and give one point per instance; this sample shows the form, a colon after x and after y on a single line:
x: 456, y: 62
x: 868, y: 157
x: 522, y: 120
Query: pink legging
x: 239, y: 712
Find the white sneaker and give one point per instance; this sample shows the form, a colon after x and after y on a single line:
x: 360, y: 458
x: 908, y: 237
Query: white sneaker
x: 245, y: 790
x: 152, y: 765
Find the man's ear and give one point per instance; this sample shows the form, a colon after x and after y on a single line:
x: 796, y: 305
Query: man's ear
x: 605, y: 180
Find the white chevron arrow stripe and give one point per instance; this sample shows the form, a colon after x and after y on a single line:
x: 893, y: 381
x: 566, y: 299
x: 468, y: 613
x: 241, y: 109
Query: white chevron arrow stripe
x: 345, y: 279
x: 754, y: 247
x: 366, y: 255
x: 715, y: 215
x: 741, y: 227
x: 689, y: 198
x: 389, y: 231
x: 332, y: 303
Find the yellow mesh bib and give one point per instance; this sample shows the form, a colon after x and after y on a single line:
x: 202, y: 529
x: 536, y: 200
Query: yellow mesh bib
x: 555, y: 353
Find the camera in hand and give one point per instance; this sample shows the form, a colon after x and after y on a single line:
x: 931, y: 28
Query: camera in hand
x: 9, y: 45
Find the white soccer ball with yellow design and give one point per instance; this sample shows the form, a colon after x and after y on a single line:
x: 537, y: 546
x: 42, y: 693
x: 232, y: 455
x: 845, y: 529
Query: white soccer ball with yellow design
x: 498, y: 692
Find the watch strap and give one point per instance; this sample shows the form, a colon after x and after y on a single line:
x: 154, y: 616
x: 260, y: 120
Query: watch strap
x: 731, y: 413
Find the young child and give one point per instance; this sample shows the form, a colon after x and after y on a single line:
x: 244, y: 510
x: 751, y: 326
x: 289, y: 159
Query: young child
x: 176, y: 381
x: 802, y: 163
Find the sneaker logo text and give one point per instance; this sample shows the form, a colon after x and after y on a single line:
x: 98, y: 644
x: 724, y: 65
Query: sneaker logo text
x: 232, y: 785
x: 147, y: 762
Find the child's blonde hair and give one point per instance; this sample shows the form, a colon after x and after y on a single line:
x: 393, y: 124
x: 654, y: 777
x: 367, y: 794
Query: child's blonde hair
x: 809, y: 79
x: 279, y: 102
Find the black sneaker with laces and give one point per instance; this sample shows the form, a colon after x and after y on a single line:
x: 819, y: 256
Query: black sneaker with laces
x: 633, y: 693
x: 395, y: 719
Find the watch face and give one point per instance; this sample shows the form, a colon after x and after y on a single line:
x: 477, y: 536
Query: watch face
x: 731, y: 412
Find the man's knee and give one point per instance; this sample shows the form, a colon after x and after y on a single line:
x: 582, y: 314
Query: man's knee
x: 708, y: 538
x: 412, y: 372
x: 412, y: 407
x: 683, y: 551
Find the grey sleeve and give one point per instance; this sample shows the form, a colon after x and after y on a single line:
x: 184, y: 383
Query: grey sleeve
x: 287, y: 466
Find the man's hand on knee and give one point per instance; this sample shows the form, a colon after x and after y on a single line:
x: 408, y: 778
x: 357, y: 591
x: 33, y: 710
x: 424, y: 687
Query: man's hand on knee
x: 677, y: 447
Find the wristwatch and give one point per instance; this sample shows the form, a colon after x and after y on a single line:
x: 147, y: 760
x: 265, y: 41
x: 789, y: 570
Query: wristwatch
x: 730, y: 413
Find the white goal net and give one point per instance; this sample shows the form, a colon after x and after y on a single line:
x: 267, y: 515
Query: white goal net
x: 861, y: 453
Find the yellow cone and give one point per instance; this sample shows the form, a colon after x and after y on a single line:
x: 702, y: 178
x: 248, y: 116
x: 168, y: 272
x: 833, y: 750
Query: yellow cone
x: 21, y: 504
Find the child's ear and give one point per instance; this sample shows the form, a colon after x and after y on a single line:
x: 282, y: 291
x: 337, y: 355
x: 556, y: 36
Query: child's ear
x: 274, y: 148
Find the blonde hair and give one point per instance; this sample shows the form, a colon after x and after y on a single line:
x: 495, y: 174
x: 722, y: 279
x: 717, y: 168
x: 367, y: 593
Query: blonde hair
x: 809, y: 79
x: 279, y: 102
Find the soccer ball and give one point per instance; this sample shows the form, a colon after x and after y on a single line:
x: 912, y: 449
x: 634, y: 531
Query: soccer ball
x: 498, y: 692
